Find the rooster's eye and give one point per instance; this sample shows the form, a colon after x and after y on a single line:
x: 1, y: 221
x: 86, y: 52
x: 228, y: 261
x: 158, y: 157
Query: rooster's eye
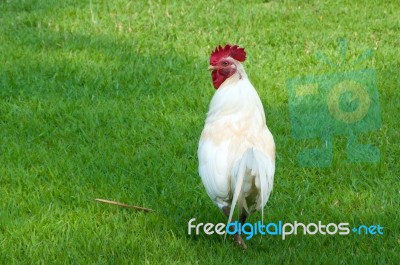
x: 224, y: 63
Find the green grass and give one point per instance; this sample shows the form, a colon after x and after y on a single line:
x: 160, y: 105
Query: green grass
x: 107, y: 99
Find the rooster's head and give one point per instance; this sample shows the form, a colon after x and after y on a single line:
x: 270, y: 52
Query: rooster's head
x: 224, y: 62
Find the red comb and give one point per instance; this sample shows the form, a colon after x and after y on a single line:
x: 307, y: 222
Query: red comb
x: 234, y: 51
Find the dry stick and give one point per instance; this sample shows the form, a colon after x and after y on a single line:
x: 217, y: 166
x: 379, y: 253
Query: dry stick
x: 126, y: 205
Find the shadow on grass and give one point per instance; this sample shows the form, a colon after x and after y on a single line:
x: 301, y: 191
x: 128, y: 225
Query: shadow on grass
x: 92, y: 111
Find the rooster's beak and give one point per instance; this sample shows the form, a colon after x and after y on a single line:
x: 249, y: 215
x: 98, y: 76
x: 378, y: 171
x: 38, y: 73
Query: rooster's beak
x: 211, y: 68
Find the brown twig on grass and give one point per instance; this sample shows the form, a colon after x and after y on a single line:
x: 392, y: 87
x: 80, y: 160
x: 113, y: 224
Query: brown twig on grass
x: 125, y: 205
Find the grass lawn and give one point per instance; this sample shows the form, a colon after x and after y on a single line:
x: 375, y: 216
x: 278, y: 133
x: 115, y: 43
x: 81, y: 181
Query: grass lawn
x: 107, y: 99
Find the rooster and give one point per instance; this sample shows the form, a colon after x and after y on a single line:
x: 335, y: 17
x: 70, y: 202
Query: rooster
x: 236, y: 149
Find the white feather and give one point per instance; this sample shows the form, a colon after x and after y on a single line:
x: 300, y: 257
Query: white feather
x: 236, y: 150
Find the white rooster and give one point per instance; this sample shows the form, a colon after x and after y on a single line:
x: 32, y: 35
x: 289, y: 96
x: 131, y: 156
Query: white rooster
x: 236, y: 150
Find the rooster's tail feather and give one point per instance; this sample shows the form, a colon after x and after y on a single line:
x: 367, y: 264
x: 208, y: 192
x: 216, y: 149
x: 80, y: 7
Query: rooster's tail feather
x: 253, y: 164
